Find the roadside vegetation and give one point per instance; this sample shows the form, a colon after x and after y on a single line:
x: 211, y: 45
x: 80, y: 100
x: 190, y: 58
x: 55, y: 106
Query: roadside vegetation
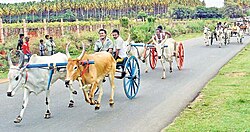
x: 223, y: 104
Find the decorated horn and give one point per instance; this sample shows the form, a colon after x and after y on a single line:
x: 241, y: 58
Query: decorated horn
x: 67, y: 50
x: 9, y: 58
x: 83, y: 51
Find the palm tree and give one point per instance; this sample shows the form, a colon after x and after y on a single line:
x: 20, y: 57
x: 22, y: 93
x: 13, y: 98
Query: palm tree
x: 33, y: 9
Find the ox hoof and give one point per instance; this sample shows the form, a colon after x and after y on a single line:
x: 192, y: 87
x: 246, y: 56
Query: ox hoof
x: 163, y: 77
x: 97, y: 108
x: 47, y: 115
x: 18, y: 119
x: 92, y: 103
x: 146, y: 71
x: 74, y: 92
x: 71, y: 104
x: 111, y: 105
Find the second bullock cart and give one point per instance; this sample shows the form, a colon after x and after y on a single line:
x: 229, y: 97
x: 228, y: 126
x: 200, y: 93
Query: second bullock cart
x: 153, y: 57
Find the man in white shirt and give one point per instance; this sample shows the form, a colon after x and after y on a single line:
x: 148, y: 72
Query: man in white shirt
x: 120, y: 47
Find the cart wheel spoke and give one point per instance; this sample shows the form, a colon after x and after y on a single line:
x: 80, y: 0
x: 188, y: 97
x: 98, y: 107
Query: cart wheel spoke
x: 136, y: 85
x: 127, y: 83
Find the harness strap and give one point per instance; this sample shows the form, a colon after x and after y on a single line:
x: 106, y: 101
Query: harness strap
x: 51, y: 71
x: 85, y: 69
x: 138, y: 52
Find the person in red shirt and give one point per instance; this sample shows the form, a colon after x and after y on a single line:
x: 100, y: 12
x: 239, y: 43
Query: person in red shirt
x: 26, y: 48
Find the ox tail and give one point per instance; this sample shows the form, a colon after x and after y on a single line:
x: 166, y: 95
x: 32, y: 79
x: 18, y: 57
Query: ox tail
x: 113, y: 68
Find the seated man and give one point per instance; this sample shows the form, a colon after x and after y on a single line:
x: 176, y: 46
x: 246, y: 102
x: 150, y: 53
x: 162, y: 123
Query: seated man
x: 104, y: 43
x: 120, y: 47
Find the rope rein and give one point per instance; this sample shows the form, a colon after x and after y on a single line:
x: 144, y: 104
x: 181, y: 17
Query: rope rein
x: 86, y: 68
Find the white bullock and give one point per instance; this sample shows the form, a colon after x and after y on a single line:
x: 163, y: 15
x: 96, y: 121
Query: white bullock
x: 207, y: 35
x: 35, y: 80
x: 166, y: 53
x: 240, y: 33
x: 227, y: 34
x: 220, y: 36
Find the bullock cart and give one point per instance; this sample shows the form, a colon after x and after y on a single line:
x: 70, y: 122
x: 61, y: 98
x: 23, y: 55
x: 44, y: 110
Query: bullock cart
x: 153, y: 57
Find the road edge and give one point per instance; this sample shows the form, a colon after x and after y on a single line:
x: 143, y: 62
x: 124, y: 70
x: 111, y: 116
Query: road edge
x: 4, y: 80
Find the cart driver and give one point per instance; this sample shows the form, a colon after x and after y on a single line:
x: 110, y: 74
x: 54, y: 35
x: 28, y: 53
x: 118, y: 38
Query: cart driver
x: 156, y: 39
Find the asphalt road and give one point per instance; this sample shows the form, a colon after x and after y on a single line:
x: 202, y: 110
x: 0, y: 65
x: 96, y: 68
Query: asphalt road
x: 156, y: 105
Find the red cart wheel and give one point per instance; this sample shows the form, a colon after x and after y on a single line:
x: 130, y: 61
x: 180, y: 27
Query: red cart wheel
x: 180, y: 57
x: 153, y: 58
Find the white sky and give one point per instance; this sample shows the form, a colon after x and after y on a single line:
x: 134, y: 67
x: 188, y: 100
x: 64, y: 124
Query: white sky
x: 210, y: 3
x: 16, y: 1
x: 214, y: 3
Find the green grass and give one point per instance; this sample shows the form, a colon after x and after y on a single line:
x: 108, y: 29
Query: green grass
x: 3, y: 75
x: 187, y: 36
x: 223, y: 104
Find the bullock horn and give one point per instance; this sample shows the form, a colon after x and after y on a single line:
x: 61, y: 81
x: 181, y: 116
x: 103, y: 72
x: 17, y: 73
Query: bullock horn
x: 83, y: 51
x: 67, y: 50
x: 21, y: 59
x: 9, y: 58
x: 128, y: 38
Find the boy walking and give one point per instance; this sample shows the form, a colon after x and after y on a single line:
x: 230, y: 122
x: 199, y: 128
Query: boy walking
x: 42, y: 48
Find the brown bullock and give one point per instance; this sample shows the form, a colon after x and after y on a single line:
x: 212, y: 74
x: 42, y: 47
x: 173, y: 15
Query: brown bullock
x: 91, y: 75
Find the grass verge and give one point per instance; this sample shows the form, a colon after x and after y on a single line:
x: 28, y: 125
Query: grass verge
x: 3, y: 75
x: 187, y: 36
x: 223, y: 104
